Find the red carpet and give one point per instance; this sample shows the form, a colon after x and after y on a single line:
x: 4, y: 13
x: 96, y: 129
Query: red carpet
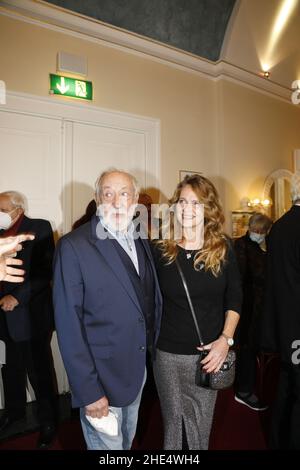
x: 235, y: 426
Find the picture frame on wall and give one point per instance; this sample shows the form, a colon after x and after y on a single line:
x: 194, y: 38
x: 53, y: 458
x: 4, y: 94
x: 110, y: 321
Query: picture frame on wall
x: 240, y: 222
x: 184, y: 173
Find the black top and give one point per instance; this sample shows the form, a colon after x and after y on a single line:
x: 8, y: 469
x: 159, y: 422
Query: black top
x: 211, y: 296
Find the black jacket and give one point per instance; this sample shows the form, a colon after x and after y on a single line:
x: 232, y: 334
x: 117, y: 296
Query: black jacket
x: 252, y: 262
x: 281, y: 322
x: 34, y: 314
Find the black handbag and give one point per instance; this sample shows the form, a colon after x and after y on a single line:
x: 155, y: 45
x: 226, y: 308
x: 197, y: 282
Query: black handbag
x: 222, y: 379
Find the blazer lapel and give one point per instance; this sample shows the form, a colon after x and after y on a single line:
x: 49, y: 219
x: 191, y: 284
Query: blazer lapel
x: 109, y: 253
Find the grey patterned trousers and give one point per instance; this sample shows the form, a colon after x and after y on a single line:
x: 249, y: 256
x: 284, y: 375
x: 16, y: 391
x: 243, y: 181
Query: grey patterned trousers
x: 183, y: 401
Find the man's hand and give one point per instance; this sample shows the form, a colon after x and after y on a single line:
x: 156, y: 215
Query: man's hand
x: 97, y: 409
x: 8, y: 303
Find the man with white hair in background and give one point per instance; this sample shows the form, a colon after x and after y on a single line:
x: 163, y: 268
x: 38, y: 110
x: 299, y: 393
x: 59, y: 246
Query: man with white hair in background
x: 26, y: 320
x: 107, y: 311
x: 281, y: 327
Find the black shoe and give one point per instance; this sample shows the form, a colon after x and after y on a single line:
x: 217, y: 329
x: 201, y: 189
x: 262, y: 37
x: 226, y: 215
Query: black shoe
x: 251, y: 401
x: 8, y: 418
x: 46, y: 436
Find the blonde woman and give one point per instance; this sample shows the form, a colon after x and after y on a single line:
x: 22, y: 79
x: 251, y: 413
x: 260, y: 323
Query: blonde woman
x: 209, y: 266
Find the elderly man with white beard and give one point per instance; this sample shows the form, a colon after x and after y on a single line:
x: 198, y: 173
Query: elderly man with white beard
x: 107, y: 310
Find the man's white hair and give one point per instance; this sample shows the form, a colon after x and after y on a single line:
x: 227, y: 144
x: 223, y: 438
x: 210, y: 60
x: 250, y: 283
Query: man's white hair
x: 295, y: 187
x: 99, y: 182
x: 17, y: 199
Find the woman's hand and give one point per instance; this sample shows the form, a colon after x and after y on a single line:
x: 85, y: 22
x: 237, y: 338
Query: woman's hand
x: 217, y: 354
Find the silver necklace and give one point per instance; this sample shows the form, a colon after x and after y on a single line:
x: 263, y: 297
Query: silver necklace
x: 190, y: 254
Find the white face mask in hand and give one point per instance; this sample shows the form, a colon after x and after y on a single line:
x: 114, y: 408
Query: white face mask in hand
x: 106, y: 424
x: 257, y: 237
x: 5, y: 220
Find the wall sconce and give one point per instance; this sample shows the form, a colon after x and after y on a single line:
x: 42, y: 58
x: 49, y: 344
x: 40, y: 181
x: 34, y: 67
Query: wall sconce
x: 265, y: 74
x: 255, y: 205
x: 265, y: 70
x: 254, y: 202
x: 260, y: 204
x: 266, y: 202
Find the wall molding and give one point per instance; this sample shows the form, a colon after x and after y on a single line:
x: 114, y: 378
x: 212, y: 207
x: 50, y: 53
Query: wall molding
x: 58, y: 108
x: 64, y: 21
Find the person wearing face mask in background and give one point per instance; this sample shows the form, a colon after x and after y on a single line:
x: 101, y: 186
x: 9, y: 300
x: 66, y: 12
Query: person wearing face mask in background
x: 251, y: 255
x: 26, y: 320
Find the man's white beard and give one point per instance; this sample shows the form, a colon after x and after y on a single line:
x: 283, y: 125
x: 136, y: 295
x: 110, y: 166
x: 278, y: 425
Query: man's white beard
x: 116, y: 224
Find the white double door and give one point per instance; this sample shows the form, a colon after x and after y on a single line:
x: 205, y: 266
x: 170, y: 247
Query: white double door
x: 53, y: 154
x: 55, y: 162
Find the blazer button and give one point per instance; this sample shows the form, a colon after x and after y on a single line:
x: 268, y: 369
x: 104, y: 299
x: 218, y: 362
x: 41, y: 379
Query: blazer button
x: 141, y: 319
x: 142, y: 348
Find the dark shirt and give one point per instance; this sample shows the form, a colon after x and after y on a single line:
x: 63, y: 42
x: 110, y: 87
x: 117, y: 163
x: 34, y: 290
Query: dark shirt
x: 211, y: 296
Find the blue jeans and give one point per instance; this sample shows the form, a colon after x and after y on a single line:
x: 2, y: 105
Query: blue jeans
x: 127, y: 422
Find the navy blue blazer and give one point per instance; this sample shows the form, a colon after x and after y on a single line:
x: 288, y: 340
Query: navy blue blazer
x: 99, y: 321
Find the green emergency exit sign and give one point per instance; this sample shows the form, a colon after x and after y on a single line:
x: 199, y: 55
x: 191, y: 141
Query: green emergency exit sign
x: 73, y: 87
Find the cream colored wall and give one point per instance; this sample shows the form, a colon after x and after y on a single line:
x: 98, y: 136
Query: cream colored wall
x: 257, y: 135
x: 233, y: 134
x: 182, y: 101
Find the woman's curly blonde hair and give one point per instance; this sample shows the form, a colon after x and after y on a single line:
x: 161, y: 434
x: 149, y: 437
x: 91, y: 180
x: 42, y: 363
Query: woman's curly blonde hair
x: 213, y: 252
